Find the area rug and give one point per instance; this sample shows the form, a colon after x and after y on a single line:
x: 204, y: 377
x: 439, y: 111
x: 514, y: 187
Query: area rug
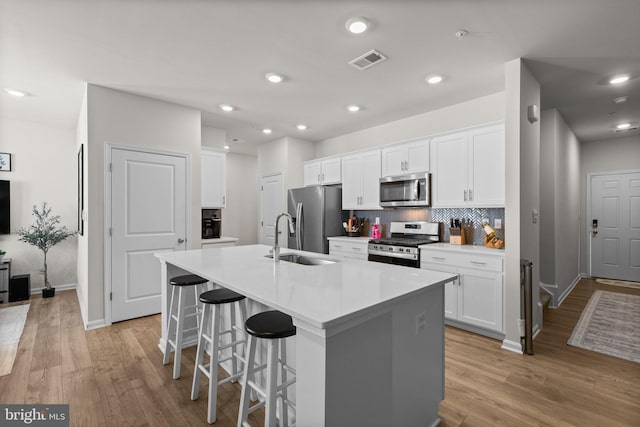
x: 610, y: 324
x: 12, y: 321
x: 623, y: 283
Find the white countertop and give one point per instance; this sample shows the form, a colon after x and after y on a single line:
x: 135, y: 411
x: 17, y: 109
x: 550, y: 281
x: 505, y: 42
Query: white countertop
x: 322, y: 295
x: 469, y: 249
x: 222, y: 239
x: 349, y: 239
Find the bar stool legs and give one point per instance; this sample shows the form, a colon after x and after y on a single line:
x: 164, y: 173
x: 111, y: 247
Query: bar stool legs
x: 211, y: 320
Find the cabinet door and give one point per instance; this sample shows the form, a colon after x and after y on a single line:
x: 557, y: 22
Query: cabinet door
x: 450, y: 289
x: 370, y: 180
x: 312, y: 171
x: 480, y: 298
x: 351, y: 181
x: 330, y: 172
x: 417, y: 156
x: 487, y: 167
x: 449, y: 180
x: 214, y: 180
x: 393, y: 159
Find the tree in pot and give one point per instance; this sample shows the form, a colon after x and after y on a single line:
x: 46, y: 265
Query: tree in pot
x: 44, y: 234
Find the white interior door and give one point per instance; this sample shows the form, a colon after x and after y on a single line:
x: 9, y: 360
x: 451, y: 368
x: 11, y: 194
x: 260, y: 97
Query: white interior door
x: 615, y: 226
x: 148, y: 215
x: 272, y: 201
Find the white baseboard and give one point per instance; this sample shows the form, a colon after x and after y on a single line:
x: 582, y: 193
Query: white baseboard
x: 516, y: 347
x: 95, y: 324
x: 569, y: 289
x: 58, y: 287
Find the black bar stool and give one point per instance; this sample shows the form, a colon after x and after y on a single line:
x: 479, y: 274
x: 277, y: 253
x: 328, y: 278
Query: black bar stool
x: 213, y: 300
x: 175, y: 321
x: 274, y: 326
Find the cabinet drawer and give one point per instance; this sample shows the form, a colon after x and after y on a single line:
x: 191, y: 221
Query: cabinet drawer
x: 484, y: 262
x: 353, y: 247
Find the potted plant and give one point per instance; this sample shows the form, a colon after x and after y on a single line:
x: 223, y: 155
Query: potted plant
x: 44, y: 234
x: 2, y: 254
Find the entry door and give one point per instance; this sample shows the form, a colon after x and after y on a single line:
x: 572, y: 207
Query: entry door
x: 272, y: 199
x: 615, y: 226
x: 148, y: 215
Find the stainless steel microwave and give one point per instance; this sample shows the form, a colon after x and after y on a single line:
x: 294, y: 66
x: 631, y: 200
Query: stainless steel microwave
x: 407, y: 190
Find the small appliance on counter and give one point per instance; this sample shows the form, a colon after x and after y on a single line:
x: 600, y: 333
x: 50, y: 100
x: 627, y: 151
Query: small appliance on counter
x: 211, y: 223
x: 402, y: 247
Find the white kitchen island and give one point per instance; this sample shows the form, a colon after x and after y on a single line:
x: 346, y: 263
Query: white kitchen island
x: 370, y: 336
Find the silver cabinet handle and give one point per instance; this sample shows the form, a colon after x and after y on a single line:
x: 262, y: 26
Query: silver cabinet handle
x: 478, y: 263
x: 180, y: 240
x: 318, y: 177
x: 465, y: 195
x: 470, y: 195
x: 437, y: 258
x: 323, y: 177
x: 224, y: 199
x: 356, y: 249
x: 337, y: 246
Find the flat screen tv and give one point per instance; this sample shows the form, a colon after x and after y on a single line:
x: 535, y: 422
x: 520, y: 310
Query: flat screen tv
x: 5, y: 208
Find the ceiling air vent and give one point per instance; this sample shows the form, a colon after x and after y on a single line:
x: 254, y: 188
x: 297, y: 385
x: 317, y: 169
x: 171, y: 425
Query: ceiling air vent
x: 367, y: 60
x: 625, y: 130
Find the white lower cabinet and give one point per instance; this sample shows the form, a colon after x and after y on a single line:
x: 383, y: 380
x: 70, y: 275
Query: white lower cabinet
x: 476, y: 297
x: 349, y: 247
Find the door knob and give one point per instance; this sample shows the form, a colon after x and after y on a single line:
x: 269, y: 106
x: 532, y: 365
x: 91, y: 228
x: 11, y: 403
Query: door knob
x: 180, y: 240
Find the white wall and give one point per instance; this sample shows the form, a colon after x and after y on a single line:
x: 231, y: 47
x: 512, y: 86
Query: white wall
x: 617, y: 154
x: 43, y: 161
x: 470, y: 113
x: 522, y: 237
x: 559, y: 205
x: 240, y: 216
x: 122, y: 118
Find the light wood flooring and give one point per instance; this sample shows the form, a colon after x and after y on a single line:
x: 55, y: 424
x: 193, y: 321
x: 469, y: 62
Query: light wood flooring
x: 114, y: 376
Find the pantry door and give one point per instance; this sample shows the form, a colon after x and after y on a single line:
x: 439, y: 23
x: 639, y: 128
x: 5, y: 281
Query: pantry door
x: 615, y: 226
x: 148, y: 215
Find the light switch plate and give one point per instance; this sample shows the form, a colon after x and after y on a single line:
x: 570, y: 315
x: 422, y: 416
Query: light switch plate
x: 534, y: 216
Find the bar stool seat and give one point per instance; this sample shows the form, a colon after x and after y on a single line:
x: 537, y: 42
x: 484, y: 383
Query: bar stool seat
x: 175, y: 321
x: 211, y: 315
x: 273, y: 326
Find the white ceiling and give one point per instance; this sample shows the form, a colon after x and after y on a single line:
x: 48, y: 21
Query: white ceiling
x: 204, y: 53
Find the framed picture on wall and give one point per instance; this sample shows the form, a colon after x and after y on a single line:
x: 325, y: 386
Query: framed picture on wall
x: 80, y: 189
x: 5, y: 162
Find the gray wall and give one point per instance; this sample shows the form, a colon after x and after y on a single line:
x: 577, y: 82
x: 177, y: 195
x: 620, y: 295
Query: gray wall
x: 559, y: 205
x: 610, y: 155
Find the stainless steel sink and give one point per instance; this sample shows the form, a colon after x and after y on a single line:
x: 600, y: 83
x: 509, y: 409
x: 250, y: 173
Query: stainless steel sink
x: 304, y: 260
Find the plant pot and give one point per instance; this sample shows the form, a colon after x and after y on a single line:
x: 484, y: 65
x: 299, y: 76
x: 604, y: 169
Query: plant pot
x: 48, y: 293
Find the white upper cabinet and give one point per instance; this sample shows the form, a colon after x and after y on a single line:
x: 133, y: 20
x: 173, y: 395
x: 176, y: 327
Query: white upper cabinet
x: 322, y: 172
x: 360, y: 180
x: 410, y: 157
x: 214, y: 179
x: 469, y: 168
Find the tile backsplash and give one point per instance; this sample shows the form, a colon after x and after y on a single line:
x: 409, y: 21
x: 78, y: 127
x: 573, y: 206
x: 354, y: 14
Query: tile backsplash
x: 475, y: 215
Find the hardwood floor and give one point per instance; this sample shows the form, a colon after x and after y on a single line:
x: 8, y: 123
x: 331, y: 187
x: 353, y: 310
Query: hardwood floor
x: 114, y: 376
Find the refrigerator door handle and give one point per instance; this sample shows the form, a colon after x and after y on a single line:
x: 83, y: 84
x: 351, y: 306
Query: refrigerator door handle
x: 299, y: 226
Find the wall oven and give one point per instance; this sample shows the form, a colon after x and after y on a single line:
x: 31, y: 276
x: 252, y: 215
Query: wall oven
x: 406, y: 190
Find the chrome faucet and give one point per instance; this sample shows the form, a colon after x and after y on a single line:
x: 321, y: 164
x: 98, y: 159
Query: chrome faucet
x: 276, y: 247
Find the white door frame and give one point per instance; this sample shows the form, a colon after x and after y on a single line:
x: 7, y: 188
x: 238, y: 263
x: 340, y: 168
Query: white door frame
x: 589, y: 217
x: 284, y: 198
x: 108, y: 148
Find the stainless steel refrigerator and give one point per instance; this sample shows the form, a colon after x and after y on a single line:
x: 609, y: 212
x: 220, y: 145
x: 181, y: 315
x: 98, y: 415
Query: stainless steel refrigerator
x: 317, y: 214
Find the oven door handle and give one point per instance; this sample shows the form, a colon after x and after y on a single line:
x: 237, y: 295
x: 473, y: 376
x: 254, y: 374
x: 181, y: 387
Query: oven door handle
x: 394, y: 255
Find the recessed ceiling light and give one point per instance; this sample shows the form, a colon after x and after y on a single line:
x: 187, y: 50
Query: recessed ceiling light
x: 226, y: 147
x: 620, y: 100
x: 14, y: 92
x: 624, y: 125
x: 266, y: 131
x: 435, y: 79
x: 619, y: 79
x: 274, y: 78
x: 301, y: 127
x: 226, y: 107
x: 357, y: 25
x: 353, y: 108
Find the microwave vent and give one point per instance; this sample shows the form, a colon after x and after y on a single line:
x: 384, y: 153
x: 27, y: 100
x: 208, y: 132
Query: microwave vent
x: 367, y: 60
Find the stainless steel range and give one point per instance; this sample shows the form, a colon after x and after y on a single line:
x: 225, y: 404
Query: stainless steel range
x: 402, y: 247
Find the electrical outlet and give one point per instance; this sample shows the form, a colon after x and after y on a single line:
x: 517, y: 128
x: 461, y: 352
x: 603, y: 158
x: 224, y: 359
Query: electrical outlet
x: 485, y: 221
x: 421, y: 322
x: 497, y: 223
